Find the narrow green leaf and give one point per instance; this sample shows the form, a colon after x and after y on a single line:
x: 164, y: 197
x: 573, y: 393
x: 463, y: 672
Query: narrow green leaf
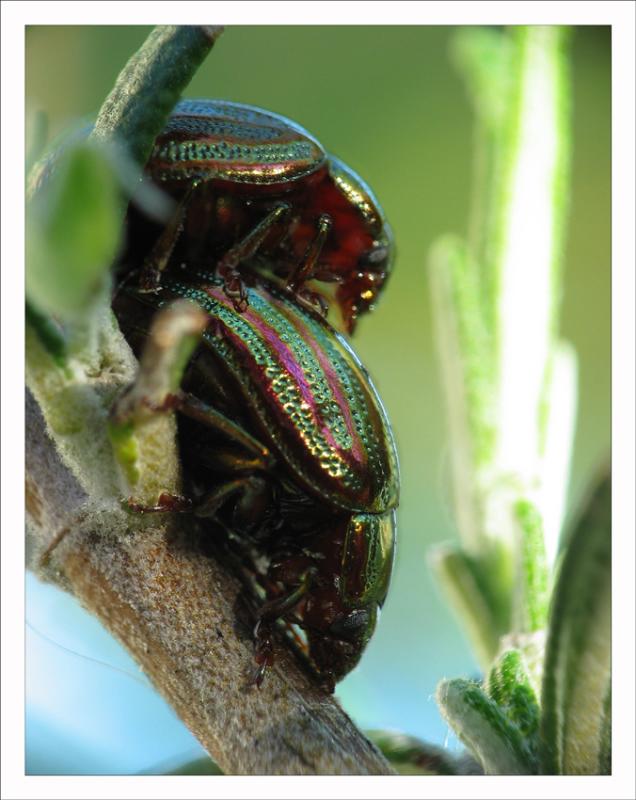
x: 126, y: 449
x: 531, y: 593
x: 456, y: 574
x: 485, y: 729
x: 478, y: 587
x: 411, y: 756
x: 557, y: 425
x: 150, y: 85
x: 73, y: 232
x: 49, y: 333
x: 200, y: 766
x: 526, y: 243
x: 483, y: 57
x: 605, y: 750
x: 577, y: 665
x: 510, y: 687
x: 464, y: 345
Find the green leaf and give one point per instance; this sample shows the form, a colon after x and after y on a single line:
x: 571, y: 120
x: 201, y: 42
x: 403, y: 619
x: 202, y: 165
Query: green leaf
x: 557, y: 426
x: 525, y: 243
x: 73, y: 232
x: 484, y: 728
x: 126, y: 448
x: 150, y: 85
x: 466, y: 356
x: 483, y: 56
x: 577, y: 666
x: 49, y: 333
x: 510, y: 687
x: 411, y: 756
x: 478, y: 588
x: 200, y: 766
x: 605, y: 750
x: 532, y: 590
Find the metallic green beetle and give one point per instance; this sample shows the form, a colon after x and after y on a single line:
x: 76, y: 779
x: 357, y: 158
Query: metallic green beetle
x: 254, y: 188
x: 286, y: 443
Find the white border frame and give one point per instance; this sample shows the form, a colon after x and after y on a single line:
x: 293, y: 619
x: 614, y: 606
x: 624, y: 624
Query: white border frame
x: 15, y: 15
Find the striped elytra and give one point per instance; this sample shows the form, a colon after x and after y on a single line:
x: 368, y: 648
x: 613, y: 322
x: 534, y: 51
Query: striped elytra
x: 318, y: 510
x: 219, y: 140
x: 307, y: 393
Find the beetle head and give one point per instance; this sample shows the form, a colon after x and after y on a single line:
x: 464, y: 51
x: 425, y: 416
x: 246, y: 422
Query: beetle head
x: 371, y: 241
x: 359, y: 294
x: 342, y: 608
x: 338, y: 650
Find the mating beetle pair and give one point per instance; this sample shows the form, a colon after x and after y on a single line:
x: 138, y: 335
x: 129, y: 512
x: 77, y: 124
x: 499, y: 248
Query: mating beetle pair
x: 283, y: 438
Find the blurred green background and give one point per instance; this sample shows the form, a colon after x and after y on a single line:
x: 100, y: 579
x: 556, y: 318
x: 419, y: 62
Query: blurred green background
x: 388, y: 101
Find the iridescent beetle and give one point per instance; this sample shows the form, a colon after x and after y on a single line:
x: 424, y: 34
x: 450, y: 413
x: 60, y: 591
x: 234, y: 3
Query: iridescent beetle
x: 254, y: 189
x: 286, y: 444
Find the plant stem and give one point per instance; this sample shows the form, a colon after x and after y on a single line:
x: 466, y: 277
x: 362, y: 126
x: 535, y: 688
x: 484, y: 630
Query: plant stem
x: 178, y: 614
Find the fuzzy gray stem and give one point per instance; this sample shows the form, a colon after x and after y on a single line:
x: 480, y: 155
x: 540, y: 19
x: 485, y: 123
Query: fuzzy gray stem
x: 177, y: 613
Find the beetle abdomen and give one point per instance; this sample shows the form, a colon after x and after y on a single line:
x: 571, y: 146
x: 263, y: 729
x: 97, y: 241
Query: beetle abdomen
x: 309, y: 394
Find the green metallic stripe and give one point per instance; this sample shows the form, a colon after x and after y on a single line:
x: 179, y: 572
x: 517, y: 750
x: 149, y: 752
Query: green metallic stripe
x: 370, y: 419
x: 341, y: 483
x: 201, y: 113
x: 287, y: 325
x: 370, y: 484
x: 323, y: 425
x: 336, y: 372
x: 300, y: 154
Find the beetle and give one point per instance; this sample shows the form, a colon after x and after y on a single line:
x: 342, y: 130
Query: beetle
x: 254, y: 190
x: 285, y: 442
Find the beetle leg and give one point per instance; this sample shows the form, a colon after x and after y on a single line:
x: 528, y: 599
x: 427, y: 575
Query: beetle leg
x: 267, y: 616
x: 213, y: 501
x: 167, y: 503
x: 279, y: 606
x: 199, y: 411
x: 313, y: 300
x: 226, y: 460
x: 304, y: 271
x: 252, y: 495
x: 156, y: 262
x: 227, y: 267
x: 263, y: 652
x: 305, y: 268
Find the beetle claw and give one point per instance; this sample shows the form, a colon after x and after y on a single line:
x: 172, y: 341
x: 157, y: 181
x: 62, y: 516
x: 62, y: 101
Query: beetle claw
x: 263, y: 651
x: 167, y: 503
x: 313, y: 300
x: 235, y: 290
